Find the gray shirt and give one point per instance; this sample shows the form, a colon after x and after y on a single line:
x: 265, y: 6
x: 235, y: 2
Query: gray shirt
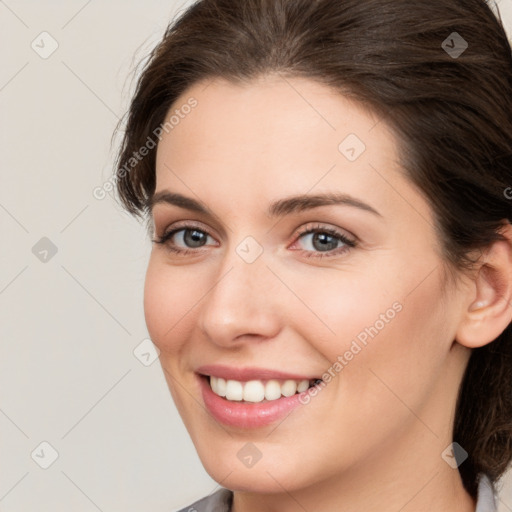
x: 220, y: 501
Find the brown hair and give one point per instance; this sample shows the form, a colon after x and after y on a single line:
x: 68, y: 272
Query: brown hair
x: 452, y: 115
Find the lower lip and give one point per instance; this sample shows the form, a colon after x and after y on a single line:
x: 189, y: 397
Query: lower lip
x: 246, y: 414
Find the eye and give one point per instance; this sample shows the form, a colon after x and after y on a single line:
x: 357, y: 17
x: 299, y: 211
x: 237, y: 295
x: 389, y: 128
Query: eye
x: 317, y: 240
x: 184, y: 239
x: 321, y: 241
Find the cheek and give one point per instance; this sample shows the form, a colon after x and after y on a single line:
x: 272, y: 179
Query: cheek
x: 340, y: 306
x: 380, y: 321
x: 400, y: 346
x: 169, y: 298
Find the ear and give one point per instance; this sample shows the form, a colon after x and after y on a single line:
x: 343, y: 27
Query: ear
x: 488, y: 310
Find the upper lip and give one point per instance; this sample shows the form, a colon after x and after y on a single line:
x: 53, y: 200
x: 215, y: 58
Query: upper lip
x: 249, y: 373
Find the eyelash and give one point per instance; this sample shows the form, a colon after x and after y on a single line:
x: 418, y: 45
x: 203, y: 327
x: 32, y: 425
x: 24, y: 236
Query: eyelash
x: 349, y: 244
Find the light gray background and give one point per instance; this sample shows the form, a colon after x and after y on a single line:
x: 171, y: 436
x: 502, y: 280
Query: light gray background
x: 69, y: 326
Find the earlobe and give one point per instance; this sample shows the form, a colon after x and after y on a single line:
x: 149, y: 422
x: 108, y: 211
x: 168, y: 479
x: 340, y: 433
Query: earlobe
x: 489, y: 310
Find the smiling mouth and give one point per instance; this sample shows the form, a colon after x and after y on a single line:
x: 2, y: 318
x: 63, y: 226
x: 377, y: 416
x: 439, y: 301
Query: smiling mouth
x: 255, y: 391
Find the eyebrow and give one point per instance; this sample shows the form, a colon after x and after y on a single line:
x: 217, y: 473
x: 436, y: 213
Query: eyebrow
x: 278, y: 208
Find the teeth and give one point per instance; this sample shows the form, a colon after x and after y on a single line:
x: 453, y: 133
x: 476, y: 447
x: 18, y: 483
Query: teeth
x: 256, y: 390
x: 289, y: 388
x: 234, y: 390
x: 302, y: 386
x: 218, y: 385
x: 221, y: 387
x: 272, y: 390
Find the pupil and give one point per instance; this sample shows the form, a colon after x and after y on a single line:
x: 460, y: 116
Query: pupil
x: 323, y: 238
x: 193, y: 238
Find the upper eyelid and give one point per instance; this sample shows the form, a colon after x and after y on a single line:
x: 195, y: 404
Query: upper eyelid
x: 184, y: 225
x: 319, y: 226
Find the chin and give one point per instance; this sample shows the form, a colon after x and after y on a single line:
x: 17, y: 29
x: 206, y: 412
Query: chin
x: 264, y: 477
x: 252, y: 480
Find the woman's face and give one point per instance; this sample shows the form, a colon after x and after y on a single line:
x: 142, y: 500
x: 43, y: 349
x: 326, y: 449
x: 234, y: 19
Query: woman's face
x: 347, y: 291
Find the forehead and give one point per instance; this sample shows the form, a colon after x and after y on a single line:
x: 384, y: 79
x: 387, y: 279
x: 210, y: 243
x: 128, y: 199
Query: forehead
x: 267, y: 117
x: 276, y: 136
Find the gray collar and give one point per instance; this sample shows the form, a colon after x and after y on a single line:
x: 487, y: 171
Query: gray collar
x: 487, y: 496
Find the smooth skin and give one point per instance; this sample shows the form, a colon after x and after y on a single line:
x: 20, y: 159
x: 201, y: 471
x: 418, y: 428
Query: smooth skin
x: 372, y: 439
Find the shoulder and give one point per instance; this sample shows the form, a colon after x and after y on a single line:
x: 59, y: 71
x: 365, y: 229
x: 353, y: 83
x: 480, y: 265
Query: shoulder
x: 487, y: 498
x: 219, y: 501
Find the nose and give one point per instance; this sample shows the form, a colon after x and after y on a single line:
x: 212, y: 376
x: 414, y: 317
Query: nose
x: 242, y: 303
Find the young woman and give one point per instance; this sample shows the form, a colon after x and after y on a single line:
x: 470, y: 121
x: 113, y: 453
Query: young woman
x: 328, y: 187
